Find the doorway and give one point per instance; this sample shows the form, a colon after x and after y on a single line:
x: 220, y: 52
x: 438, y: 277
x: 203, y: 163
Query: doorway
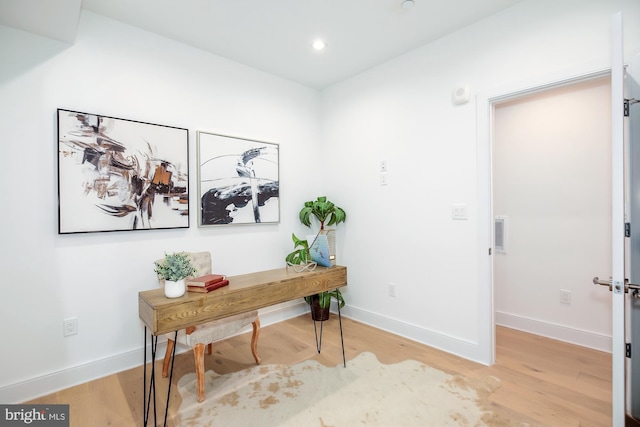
x: 551, y: 188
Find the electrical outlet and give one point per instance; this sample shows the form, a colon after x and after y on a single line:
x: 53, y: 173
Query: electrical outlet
x: 70, y: 326
x: 383, y: 166
x: 383, y: 178
x: 565, y: 296
x: 392, y: 290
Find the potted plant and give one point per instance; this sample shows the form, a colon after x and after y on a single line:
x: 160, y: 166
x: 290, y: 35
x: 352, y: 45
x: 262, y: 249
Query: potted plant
x: 174, y: 268
x: 326, y: 212
x: 320, y: 303
x: 323, y: 210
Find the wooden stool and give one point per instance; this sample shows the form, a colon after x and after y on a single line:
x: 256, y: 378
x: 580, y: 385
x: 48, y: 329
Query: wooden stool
x: 197, y: 337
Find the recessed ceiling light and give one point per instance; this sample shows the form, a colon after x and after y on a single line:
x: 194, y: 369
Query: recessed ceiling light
x: 407, y: 4
x: 319, y: 44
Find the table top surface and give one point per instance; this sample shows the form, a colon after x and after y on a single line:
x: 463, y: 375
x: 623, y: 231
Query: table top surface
x: 244, y: 293
x: 241, y: 283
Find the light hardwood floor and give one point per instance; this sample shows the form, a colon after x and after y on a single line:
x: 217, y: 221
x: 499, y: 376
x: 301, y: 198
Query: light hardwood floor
x: 543, y: 382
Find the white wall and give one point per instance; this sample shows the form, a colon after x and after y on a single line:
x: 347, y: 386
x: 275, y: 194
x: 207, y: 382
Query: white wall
x: 116, y: 70
x: 552, y: 179
x: 401, y: 111
x: 403, y: 233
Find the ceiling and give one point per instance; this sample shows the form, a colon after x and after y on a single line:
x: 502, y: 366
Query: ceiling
x: 271, y: 35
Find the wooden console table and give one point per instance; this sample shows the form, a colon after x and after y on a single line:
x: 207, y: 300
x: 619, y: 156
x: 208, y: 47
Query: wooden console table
x: 244, y: 293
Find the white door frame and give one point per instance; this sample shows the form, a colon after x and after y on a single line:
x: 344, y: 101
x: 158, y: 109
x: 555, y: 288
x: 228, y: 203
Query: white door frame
x: 485, y: 104
x: 618, y: 219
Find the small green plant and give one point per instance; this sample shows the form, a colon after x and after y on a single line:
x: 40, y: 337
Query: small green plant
x: 324, y: 211
x: 300, y: 254
x: 174, y: 266
x: 324, y: 298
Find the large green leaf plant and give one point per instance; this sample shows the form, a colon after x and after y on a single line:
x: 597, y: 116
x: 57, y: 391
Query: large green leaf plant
x: 324, y: 211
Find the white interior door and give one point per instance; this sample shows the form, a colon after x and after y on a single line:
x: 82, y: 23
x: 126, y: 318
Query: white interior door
x: 618, y: 224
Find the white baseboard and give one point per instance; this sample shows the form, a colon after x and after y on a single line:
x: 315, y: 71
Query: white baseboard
x: 558, y: 332
x: 59, y: 380
x: 460, y: 347
x: 54, y: 381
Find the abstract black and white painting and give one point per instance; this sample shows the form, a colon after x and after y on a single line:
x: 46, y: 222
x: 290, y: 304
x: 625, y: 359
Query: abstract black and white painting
x: 117, y: 174
x: 238, y: 180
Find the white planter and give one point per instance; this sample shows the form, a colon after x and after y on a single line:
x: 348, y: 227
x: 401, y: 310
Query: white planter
x: 174, y: 289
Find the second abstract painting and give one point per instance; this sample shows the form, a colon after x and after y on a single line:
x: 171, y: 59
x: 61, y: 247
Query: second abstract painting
x: 238, y: 180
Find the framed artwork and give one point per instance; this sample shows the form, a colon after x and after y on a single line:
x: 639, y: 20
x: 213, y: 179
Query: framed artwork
x: 238, y: 180
x: 117, y: 174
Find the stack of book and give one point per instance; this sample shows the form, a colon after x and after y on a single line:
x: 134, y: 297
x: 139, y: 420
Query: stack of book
x: 206, y: 283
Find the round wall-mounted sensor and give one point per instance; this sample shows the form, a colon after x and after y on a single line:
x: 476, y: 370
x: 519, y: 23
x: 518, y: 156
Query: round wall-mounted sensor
x: 461, y: 94
x: 407, y: 4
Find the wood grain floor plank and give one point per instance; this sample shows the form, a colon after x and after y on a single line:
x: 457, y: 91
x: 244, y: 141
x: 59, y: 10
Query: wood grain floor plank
x: 543, y: 382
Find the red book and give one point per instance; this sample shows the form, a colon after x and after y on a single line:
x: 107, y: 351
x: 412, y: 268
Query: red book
x: 206, y: 280
x: 208, y: 288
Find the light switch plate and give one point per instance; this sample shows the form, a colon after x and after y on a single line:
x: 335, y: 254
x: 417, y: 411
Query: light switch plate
x: 459, y: 211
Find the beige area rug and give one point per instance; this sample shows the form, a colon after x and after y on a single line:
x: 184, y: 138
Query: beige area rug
x: 309, y: 394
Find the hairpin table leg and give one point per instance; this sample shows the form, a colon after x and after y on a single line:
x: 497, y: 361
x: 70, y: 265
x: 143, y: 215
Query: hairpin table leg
x: 173, y: 356
x: 152, y: 380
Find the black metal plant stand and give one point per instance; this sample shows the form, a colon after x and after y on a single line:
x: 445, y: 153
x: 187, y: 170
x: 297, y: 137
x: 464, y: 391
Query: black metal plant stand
x: 319, y: 336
